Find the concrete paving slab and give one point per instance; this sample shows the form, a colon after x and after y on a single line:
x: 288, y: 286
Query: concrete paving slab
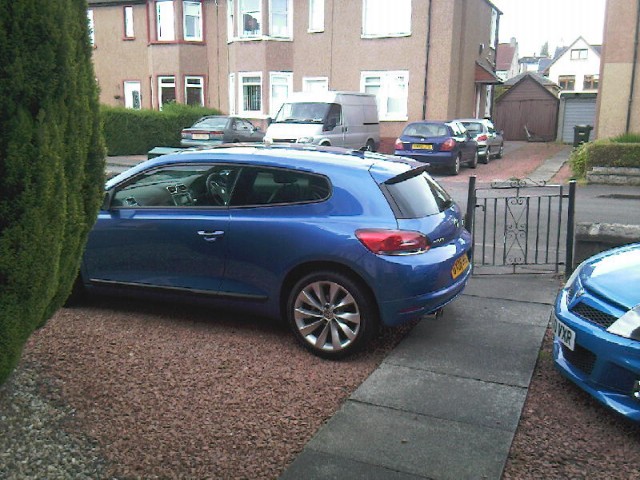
x: 319, y: 465
x: 467, y: 344
x: 412, y: 443
x: 525, y: 288
x: 443, y: 396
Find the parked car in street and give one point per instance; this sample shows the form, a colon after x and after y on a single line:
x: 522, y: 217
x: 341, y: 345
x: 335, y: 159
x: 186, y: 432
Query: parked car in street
x: 216, y: 129
x: 490, y: 141
x: 336, y: 241
x: 441, y: 144
x: 597, y: 329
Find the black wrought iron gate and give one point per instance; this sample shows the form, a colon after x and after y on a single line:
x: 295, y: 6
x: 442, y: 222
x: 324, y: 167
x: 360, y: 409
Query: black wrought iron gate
x: 521, y: 227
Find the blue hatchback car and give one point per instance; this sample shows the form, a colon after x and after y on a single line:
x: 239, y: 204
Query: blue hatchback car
x: 597, y: 329
x: 441, y: 144
x: 335, y: 241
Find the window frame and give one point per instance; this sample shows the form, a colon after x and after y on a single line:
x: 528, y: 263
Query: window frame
x: 381, y: 9
x: 241, y: 24
x: 160, y: 36
x: 230, y: 20
x: 199, y: 36
x: 200, y: 87
x: 242, y: 76
x: 591, y: 82
x: 316, y: 16
x: 306, y: 81
x: 126, y: 99
x: 383, y: 96
x: 288, y: 76
x: 289, y: 20
x: 568, y: 80
x: 579, y: 53
x: 232, y: 94
x: 161, y: 87
x: 129, y: 30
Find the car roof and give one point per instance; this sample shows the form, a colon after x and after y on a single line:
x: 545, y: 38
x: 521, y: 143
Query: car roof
x: 324, y: 160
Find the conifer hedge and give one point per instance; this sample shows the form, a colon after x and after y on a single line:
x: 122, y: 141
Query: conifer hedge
x: 51, y: 162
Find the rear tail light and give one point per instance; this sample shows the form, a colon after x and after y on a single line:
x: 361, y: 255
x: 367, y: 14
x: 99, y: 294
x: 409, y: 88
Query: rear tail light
x: 393, y: 242
x: 399, y: 145
x: 448, y: 145
x: 483, y: 138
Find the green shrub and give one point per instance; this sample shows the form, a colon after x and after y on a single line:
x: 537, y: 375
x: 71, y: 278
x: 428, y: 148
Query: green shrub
x: 135, y: 132
x: 604, y: 153
x: 51, y: 162
x: 627, y: 138
x: 579, y: 160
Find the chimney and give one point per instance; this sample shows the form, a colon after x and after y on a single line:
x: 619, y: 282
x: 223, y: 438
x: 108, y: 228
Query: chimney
x: 513, y: 42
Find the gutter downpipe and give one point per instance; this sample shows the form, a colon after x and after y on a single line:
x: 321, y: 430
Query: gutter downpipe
x: 426, y: 63
x: 635, y: 65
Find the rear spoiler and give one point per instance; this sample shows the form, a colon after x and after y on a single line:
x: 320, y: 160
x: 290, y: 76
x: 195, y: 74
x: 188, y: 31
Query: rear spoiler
x: 414, y: 172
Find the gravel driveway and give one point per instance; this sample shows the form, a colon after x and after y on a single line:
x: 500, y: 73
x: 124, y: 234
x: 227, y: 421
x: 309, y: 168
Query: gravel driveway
x: 122, y: 389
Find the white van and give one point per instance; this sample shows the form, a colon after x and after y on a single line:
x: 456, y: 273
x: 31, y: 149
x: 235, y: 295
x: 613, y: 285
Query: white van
x: 339, y: 119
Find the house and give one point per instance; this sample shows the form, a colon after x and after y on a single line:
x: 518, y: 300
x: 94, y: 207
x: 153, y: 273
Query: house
x: 576, y: 68
x: 618, y: 104
x: 528, y: 110
x: 531, y: 63
x: 246, y: 56
x: 507, y: 65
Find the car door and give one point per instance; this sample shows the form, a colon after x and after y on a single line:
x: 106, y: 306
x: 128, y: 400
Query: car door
x: 162, y: 229
x: 464, y: 140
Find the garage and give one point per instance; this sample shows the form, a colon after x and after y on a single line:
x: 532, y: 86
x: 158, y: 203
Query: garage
x: 575, y: 109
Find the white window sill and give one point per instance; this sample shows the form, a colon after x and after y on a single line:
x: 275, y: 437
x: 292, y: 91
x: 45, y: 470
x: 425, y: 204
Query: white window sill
x: 394, y: 119
x: 369, y: 36
x: 315, y: 31
x: 260, y: 38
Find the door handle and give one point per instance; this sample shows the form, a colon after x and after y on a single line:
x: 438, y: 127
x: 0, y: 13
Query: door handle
x: 210, y: 236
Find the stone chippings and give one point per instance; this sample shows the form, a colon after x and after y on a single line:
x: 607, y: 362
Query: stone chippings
x: 118, y: 389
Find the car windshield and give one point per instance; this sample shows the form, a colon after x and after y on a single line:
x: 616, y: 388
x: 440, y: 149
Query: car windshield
x: 302, y: 112
x: 419, y: 196
x: 473, y: 127
x: 211, y: 123
x: 426, y: 130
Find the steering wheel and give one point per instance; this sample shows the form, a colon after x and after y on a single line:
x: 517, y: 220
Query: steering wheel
x: 217, y: 192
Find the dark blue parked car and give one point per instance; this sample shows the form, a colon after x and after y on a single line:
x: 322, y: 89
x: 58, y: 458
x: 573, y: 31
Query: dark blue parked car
x: 597, y: 329
x: 335, y: 241
x: 441, y: 144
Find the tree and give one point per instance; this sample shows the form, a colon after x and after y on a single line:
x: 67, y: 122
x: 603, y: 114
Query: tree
x: 544, y: 51
x: 51, y: 162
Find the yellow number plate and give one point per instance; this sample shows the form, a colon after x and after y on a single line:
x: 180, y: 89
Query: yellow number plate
x: 200, y: 136
x: 421, y: 146
x: 459, y: 266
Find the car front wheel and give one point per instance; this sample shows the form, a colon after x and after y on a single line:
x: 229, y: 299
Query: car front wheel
x: 330, y: 314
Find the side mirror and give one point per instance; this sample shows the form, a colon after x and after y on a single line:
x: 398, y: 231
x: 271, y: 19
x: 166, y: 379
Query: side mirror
x: 269, y: 121
x: 106, y: 201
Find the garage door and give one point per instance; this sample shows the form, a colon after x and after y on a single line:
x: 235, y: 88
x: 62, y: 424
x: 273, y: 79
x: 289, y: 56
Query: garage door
x: 577, y: 111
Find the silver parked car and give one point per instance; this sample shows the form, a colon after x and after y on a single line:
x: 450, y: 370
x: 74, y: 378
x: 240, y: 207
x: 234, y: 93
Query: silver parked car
x: 490, y: 141
x: 215, y: 129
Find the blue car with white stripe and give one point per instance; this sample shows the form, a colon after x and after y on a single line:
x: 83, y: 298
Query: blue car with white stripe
x: 596, y: 326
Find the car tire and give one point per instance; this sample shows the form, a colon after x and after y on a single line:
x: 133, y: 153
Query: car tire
x: 486, y: 157
x: 331, y: 315
x: 500, y: 152
x: 455, y: 168
x: 78, y: 294
x: 370, y: 146
x: 474, y: 161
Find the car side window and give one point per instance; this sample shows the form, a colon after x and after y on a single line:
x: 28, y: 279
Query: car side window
x: 178, y: 186
x: 258, y: 186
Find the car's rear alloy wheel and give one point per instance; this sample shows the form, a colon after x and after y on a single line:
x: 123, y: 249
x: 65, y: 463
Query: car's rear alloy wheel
x: 330, y: 314
x: 455, y: 168
x: 500, y: 152
x: 474, y: 160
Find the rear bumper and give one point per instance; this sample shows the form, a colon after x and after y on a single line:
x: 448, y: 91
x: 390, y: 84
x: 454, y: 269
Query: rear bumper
x: 445, y: 159
x: 199, y: 143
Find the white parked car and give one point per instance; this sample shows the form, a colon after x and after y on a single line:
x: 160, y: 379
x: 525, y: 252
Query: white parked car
x: 490, y: 141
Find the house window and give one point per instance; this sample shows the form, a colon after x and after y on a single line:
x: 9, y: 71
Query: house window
x: 316, y: 15
x: 165, y: 29
x: 567, y: 82
x: 132, y: 95
x: 280, y: 11
x: 579, y: 54
x: 315, y: 84
x: 194, y: 91
x: 250, y: 18
x: 381, y: 18
x: 391, y: 90
x: 192, y: 21
x: 230, y: 19
x: 281, y: 84
x: 166, y: 90
x: 92, y: 32
x: 128, y: 22
x: 232, y: 93
x: 494, y: 28
x: 590, y: 82
x: 251, y: 84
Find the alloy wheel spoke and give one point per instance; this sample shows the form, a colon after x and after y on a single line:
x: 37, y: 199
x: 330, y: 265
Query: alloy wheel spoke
x: 322, y: 338
x: 349, y: 333
x: 312, y: 327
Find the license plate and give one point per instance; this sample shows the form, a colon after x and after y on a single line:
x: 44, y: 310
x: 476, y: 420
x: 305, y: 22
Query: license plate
x: 459, y: 266
x: 563, y: 333
x: 200, y: 136
x: 421, y: 146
